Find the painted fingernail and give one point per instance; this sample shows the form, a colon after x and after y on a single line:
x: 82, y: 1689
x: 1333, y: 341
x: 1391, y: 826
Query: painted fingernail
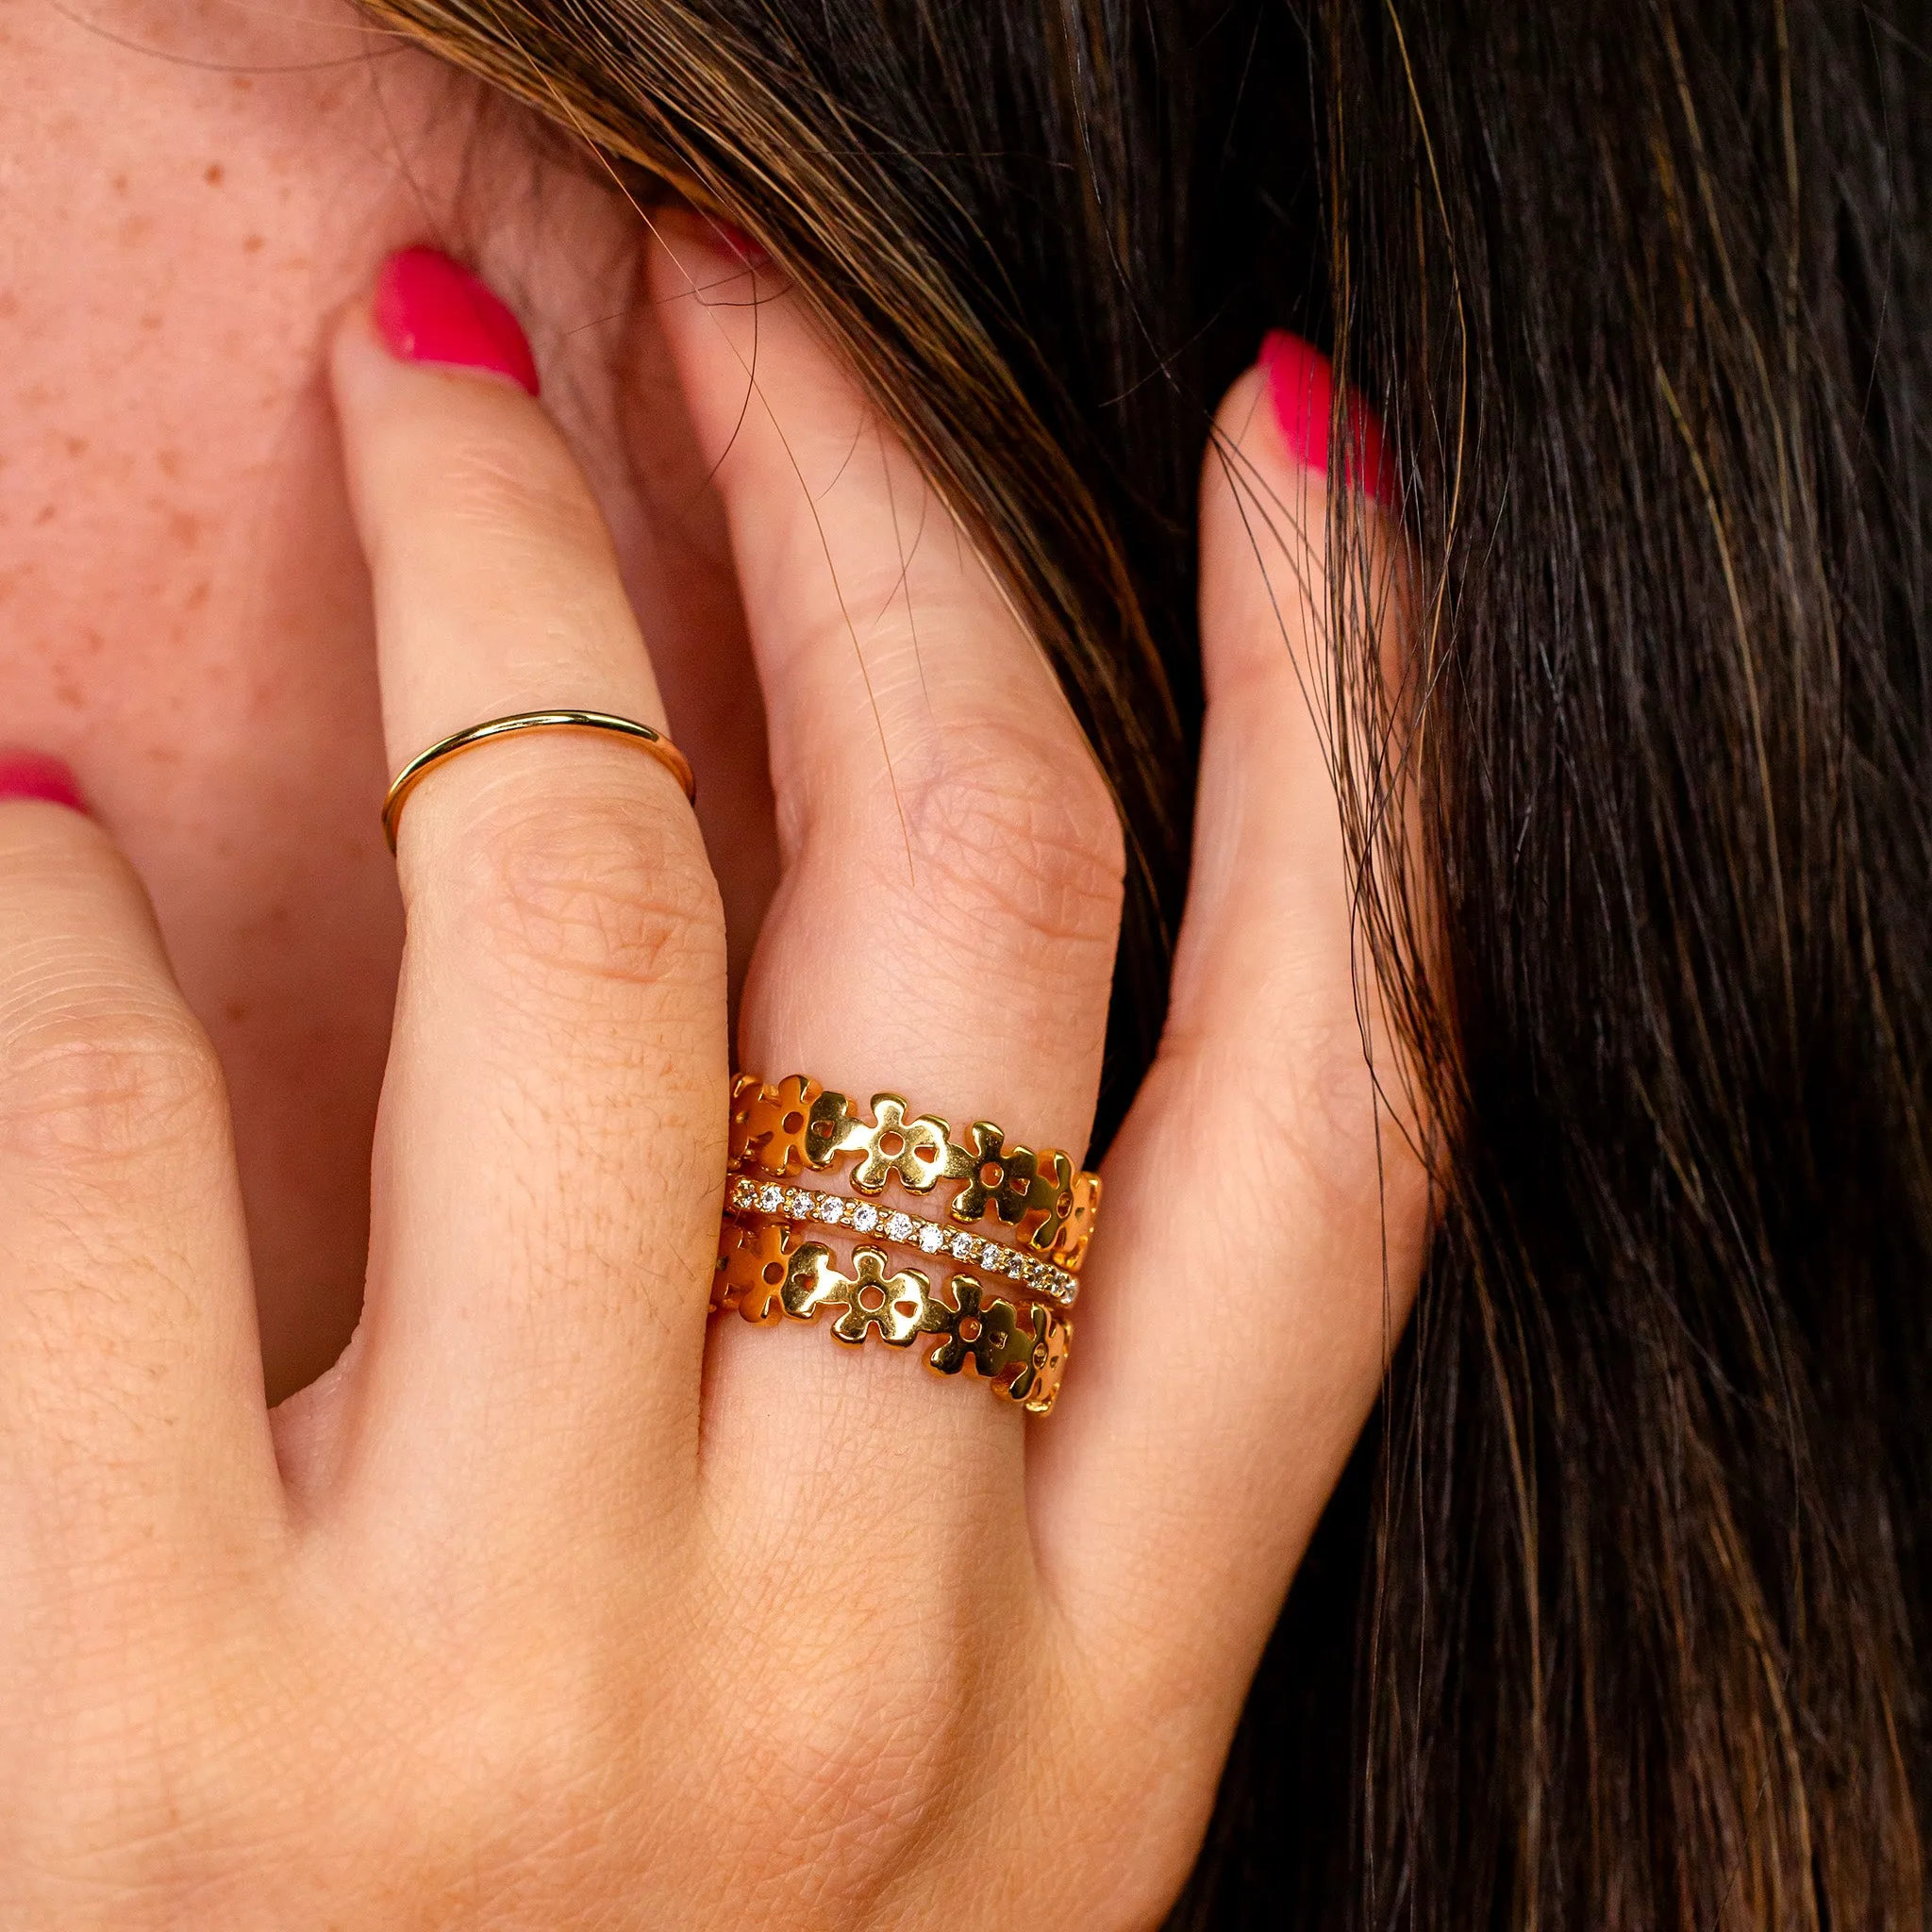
x: 39, y: 776
x: 753, y: 254
x: 1302, y: 387
x: 429, y: 309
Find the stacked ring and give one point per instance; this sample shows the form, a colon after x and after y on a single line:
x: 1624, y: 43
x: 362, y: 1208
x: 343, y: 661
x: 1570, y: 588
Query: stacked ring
x: 783, y: 1129
x: 770, y: 1265
x: 1021, y: 1349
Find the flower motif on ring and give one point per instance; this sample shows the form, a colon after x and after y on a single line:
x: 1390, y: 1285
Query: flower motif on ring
x: 757, y: 1266
x: 811, y: 1282
x: 1070, y: 1248
x: 1041, y: 1348
x: 768, y: 1124
x: 780, y: 1129
x: 919, y: 1151
x: 998, y: 1176
x: 899, y: 1307
x: 975, y: 1331
x: 1049, y: 1201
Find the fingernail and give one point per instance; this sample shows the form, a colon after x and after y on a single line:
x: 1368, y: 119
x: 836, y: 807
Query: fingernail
x: 38, y: 775
x: 753, y: 254
x: 429, y: 309
x: 1302, y: 387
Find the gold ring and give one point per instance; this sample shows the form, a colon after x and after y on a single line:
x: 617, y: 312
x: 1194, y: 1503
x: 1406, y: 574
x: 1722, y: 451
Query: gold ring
x: 783, y: 1129
x: 424, y: 762
x: 1021, y: 1349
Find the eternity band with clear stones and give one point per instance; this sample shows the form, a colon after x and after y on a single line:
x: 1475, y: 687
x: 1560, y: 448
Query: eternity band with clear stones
x: 777, y: 1201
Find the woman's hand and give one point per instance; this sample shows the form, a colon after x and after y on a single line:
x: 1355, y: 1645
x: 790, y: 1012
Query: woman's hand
x: 556, y: 1604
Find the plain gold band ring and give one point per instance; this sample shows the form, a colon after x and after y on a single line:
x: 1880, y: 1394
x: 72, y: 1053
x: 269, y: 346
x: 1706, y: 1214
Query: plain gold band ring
x: 419, y: 767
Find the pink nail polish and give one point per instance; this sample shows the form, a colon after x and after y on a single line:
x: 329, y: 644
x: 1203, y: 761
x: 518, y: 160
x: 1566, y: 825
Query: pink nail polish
x: 1302, y: 387
x: 36, y: 775
x: 429, y: 309
x: 753, y: 254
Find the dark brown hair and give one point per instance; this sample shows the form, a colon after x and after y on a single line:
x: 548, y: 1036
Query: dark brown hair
x: 1617, y: 1620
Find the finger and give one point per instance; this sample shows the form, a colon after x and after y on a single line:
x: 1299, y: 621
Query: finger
x: 1266, y: 1206
x: 945, y: 925
x: 130, y: 1374
x: 550, y: 1145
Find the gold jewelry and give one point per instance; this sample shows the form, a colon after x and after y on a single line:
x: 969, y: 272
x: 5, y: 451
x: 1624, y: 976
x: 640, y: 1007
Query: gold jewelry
x: 777, y: 1201
x: 764, y: 1273
x: 796, y: 1124
x: 424, y: 762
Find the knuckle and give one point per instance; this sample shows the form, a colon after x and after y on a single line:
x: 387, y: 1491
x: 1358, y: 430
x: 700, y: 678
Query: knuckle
x: 1332, y: 1116
x: 856, y: 1774
x: 523, y: 493
x: 1026, y: 833
x: 582, y: 891
x: 140, y: 1798
x: 104, y: 1082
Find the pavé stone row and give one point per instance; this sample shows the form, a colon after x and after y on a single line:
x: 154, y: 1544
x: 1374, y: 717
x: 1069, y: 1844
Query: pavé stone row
x: 778, y: 1201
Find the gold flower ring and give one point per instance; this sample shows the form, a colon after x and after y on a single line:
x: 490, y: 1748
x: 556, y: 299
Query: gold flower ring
x: 780, y: 1131
x: 765, y: 1273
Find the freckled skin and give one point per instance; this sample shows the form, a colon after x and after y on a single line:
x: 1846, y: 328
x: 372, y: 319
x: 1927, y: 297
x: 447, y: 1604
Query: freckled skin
x: 183, y: 611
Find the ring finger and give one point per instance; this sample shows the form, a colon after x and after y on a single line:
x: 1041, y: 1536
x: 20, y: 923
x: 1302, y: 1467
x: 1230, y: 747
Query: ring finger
x: 945, y: 926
